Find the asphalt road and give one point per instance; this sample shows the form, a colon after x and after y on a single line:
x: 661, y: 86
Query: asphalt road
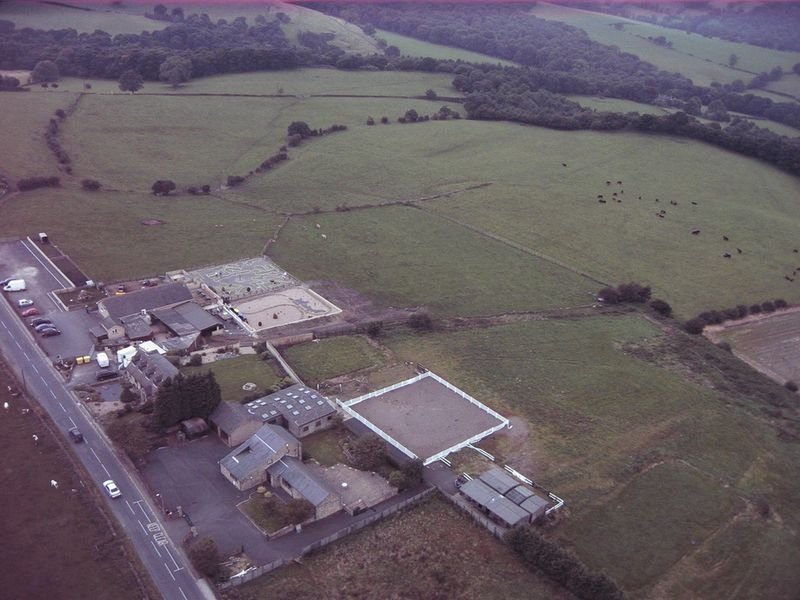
x: 133, y: 510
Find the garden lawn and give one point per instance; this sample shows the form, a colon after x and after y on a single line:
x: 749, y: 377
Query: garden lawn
x: 323, y: 359
x: 326, y: 446
x: 232, y: 373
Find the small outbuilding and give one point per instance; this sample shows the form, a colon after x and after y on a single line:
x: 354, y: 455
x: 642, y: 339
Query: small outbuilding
x: 233, y: 425
x: 194, y: 427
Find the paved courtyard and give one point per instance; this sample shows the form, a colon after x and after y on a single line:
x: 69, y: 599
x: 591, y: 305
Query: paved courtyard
x: 244, y: 278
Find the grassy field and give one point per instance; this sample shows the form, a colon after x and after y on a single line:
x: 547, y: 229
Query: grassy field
x: 315, y: 362
x: 660, y: 472
x: 41, y: 15
x: 104, y: 232
x: 409, y: 46
x: 23, y: 120
x: 429, y: 551
x: 788, y: 84
x: 446, y: 268
x: 326, y: 446
x: 701, y: 59
x: 56, y: 542
x: 233, y: 373
x: 542, y: 206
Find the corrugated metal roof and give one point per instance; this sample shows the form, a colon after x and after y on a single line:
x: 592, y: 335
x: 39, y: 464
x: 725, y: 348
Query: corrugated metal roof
x: 519, y: 494
x: 535, y: 505
x: 494, y: 502
x: 295, y: 473
x: 499, y: 480
x: 258, y: 452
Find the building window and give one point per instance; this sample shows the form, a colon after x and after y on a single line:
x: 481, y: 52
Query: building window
x: 305, y: 428
x: 330, y: 417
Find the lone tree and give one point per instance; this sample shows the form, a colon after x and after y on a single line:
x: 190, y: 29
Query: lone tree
x: 163, y: 187
x: 45, y: 71
x: 180, y: 398
x: 204, y: 555
x: 300, y: 128
x: 130, y: 81
x: 175, y: 70
x: 367, y: 453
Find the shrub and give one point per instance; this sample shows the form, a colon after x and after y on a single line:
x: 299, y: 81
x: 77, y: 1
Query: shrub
x: 206, y: 189
x: 661, y: 307
x: 370, y: 121
x: 192, y: 190
x: 31, y: 183
x: 694, y: 326
x: 234, y: 180
x: 742, y: 311
x: 204, y: 555
x: 608, y: 295
x: 755, y: 309
x: 196, y: 360
x: 163, y: 187
x: 366, y: 453
x: 374, y: 328
x: 725, y: 346
x: 421, y: 321
x: 384, y: 120
x: 791, y: 386
x: 61, y: 114
x: 768, y: 307
x: 91, y: 185
x: 633, y: 292
x: 780, y: 303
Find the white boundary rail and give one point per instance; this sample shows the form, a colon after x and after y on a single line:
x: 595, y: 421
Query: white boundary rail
x: 346, y: 406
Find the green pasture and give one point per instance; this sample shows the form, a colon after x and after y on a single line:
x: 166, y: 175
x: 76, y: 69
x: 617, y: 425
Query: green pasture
x: 536, y: 203
x: 129, y: 141
x: 655, y: 468
x: 232, y: 373
x: 23, y: 120
x: 788, y: 84
x: 700, y: 58
x: 104, y: 234
x: 47, y: 15
x: 400, y: 256
x: 409, y: 46
x: 317, y: 361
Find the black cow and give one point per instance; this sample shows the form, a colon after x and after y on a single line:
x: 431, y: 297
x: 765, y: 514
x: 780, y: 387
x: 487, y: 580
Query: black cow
x: 695, y: 232
x: 726, y: 255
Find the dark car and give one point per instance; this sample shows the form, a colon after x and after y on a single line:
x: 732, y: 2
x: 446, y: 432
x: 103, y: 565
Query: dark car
x: 75, y: 435
x: 103, y: 375
x: 39, y: 321
x: 42, y: 326
x: 50, y: 332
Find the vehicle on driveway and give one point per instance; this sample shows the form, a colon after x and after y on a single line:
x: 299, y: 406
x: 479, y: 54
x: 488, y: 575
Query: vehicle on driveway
x: 30, y: 312
x: 75, y: 435
x: 50, y: 332
x: 111, y: 488
x: 103, y: 375
x: 39, y: 321
x: 24, y: 302
x: 42, y: 326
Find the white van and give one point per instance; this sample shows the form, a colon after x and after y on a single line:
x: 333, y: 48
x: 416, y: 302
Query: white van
x: 102, y: 360
x: 15, y: 285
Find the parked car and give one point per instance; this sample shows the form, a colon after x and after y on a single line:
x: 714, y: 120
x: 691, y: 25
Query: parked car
x: 30, y: 312
x: 111, y: 488
x: 76, y: 435
x: 39, y: 321
x: 42, y: 326
x: 15, y: 285
x: 24, y: 302
x: 50, y: 332
x: 103, y: 375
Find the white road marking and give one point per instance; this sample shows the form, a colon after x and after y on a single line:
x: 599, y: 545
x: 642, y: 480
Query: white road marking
x: 182, y: 594
x: 142, y: 526
x: 170, y: 572
x: 39, y: 260
x: 156, y: 549
x: 95, y: 455
x: 33, y: 366
x: 53, y: 394
x: 146, y: 516
x: 177, y: 566
x: 25, y: 354
x: 65, y: 410
x: 130, y: 507
x: 73, y: 422
x: 5, y: 326
x: 17, y: 343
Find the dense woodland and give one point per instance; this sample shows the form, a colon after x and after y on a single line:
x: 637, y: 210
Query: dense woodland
x: 774, y: 25
x: 559, y: 59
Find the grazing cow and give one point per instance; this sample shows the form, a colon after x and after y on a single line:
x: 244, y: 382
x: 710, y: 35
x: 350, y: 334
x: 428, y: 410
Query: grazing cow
x: 726, y: 255
x: 659, y: 215
x: 663, y: 212
x: 693, y: 202
x: 656, y: 199
x: 725, y: 237
x: 640, y: 197
x: 599, y: 195
x: 563, y: 164
x: 795, y: 250
x: 739, y: 250
x: 787, y: 278
x: 619, y: 183
x: 614, y: 194
x: 601, y: 201
x: 608, y: 183
x: 622, y: 191
x: 618, y: 200
x: 695, y: 232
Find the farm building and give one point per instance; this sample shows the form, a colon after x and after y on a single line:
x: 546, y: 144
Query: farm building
x: 187, y: 318
x: 301, y: 410
x: 146, y: 371
x: 233, y: 425
x: 148, y: 299
x: 247, y: 465
x: 296, y: 479
x: 503, y: 498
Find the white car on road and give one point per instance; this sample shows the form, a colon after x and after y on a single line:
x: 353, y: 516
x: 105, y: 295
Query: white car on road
x: 111, y: 488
